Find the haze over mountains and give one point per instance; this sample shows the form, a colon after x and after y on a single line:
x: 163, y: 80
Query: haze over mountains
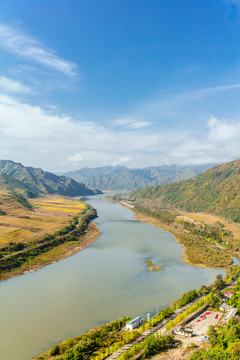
x: 217, y: 190
x: 122, y: 178
x: 36, y: 182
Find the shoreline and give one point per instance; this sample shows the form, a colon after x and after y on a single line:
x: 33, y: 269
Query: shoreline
x: 151, y: 221
x: 58, y: 253
x: 155, y: 222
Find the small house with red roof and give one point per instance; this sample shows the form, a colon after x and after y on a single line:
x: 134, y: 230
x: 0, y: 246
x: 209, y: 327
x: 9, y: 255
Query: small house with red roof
x: 229, y: 294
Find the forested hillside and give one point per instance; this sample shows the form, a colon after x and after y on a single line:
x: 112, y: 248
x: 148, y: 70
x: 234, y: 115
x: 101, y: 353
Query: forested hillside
x: 217, y: 190
x: 122, y: 178
x: 35, y: 182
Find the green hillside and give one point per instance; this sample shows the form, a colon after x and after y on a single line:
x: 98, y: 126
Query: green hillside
x: 35, y: 182
x: 122, y: 178
x: 11, y: 184
x: 217, y: 190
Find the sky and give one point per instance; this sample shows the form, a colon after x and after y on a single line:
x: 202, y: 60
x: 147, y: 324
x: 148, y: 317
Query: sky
x: 119, y: 82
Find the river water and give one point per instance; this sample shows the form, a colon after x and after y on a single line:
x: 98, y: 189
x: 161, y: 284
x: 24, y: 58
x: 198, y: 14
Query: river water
x: 101, y: 283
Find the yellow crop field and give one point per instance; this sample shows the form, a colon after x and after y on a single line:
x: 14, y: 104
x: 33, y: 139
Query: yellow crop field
x: 60, y: 209
x: 73, y: 206
x: 16, y: 235
x: 49, y: 215
x: 63, y: 205
x: 64, y: 202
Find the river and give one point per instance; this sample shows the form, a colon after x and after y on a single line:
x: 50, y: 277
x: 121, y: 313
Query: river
x: 106, y: 280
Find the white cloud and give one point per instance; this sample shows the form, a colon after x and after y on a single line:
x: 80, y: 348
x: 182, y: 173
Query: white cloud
x: 131, y: 123
x: 222, y: 131
x: 121, y: 161
x: 184, y: 104
x: 30, y: 135
x: 17, y: 42
x: 12, y: 86
x: 77, y: 158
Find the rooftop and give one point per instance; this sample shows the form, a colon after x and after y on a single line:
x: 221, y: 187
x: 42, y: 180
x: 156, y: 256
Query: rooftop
x: 137, y: 319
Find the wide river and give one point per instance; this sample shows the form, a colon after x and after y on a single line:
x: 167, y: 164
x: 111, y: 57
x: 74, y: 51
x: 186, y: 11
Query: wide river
x: 101, y: 283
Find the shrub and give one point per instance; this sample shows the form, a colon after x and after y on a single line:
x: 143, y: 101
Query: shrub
x: 55, y: 350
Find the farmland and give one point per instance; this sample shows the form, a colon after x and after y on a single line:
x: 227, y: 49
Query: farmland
x: 48, y: 231
x: 48, y: 215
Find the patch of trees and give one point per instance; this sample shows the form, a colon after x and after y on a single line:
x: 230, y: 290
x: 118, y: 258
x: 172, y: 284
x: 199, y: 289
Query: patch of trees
x: 212, y: 233
x: 185, y: 299
x: 224, y: 343
x: 95, y: 343
x: 198, y: 240
x: 164, y: 216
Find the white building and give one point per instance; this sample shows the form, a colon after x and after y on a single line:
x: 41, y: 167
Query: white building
x: 231, y: 314
x: 225, y: 307
x: 133, y: 324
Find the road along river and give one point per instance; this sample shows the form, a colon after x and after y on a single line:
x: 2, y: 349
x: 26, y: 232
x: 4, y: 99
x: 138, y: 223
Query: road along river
x: 104, y: 281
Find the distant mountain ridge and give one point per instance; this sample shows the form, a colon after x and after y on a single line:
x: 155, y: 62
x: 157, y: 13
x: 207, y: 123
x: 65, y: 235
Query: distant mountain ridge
x: 35, y: 182
x: 217, y: 190
x: 122, y: 178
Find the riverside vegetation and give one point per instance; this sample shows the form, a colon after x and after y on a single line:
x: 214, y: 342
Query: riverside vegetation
x: 24, y: 244
x: 104, y: 340
x: 207, y: 240
x: 206, y: 243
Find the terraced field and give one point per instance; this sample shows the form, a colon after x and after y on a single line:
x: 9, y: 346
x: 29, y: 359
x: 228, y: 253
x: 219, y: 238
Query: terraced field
x: 20, y: 225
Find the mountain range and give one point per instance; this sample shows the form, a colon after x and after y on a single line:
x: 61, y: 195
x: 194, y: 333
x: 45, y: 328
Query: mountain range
x: 36, y: 182
x: 217, y: 190
x: 122, y: 178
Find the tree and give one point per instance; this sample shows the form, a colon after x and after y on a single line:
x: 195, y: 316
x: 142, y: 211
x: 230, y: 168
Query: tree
x: 55, y: 350
x: 68, y: 355
x: 212, y: 334
x: 219, y: 282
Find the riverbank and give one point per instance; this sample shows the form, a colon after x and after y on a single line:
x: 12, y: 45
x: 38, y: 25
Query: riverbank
x: 154, y: 222
x: 52, y: 229
x: 198, y: 248
x: 104, y: 342
x: 95, y: 285
x: 57, y: 253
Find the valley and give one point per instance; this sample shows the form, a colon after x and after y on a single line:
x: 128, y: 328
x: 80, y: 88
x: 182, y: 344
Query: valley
x: 146, y: 242
x: 96, y: 285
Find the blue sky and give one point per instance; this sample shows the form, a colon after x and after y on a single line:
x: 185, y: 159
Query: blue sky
x: 119, y: 82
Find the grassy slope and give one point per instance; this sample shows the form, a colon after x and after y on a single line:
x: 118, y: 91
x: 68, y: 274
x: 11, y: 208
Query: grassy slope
x: 217, y: 190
